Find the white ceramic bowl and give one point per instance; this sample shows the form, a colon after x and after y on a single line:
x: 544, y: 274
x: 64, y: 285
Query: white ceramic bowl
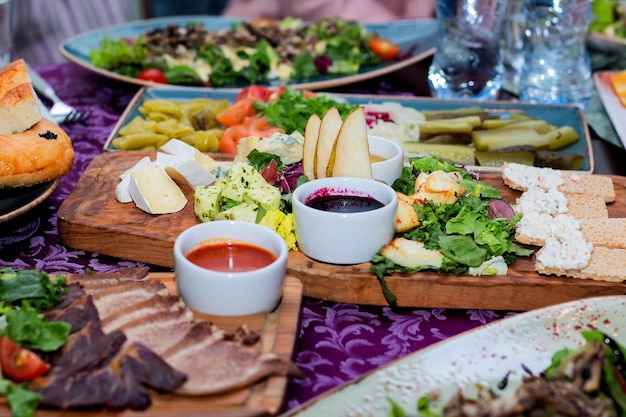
x: 343, y: 238
x: 230, y: 293
x: 390, y: 168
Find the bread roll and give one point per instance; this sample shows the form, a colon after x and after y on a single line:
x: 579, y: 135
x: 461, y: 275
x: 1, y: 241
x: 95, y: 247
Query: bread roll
x: 40, y: 154
x: 19, y: 104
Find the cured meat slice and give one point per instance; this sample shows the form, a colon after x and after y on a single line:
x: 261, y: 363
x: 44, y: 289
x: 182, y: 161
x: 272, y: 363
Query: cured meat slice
x: 80, y: 312
x: 214, y: 365
x: 143, y: 309
x: 108, y: 279
x: 159, y: 330
x: 108, y: 301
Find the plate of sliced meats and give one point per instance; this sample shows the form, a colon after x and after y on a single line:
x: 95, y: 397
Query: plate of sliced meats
x: 136, y: 349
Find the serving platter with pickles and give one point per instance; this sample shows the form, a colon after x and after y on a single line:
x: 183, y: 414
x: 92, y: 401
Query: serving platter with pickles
x: 451, y: 131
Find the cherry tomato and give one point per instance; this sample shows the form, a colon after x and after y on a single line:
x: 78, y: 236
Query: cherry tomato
x: 18, y: 363
x: 260, y: 93
x: 236, y: 113
x: 251, y: 126
x: 384, y: 48
x: 153, y: 74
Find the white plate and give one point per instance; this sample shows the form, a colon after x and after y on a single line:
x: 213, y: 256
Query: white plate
x: 612, y: 105
x: 484, y: 355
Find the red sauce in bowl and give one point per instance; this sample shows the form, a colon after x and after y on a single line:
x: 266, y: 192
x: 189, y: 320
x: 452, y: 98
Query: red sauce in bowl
x: 231, y: 257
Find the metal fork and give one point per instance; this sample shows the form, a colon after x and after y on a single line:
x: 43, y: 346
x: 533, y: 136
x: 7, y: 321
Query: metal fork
x: 60, y: 112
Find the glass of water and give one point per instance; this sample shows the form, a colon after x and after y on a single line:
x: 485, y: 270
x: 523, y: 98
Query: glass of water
x: 557, y: 67
x: 6, y: 35
x: 467, y: 62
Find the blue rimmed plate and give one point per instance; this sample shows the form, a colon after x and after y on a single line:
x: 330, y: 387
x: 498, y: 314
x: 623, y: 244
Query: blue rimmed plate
x: 559, y: 115
x: 416, y: 37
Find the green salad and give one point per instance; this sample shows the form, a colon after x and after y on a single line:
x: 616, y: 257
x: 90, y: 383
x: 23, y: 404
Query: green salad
x: 465, y: 232
x: 250, y: 52
x: 608, y: 18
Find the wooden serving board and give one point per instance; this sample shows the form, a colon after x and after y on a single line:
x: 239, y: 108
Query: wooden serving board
x: 278, y: 331
x: 91, y: 219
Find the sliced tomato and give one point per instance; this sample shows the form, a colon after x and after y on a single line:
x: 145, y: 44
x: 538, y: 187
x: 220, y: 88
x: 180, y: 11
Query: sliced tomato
x: 251, y: 126
x: 236, y: 113
x: 384, y: 48
x: 18, y: 363
x: 270, y: 170
x: 153, y: 74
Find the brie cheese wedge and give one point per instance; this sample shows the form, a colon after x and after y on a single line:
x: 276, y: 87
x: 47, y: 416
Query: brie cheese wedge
x: 121, y: 191
x: 154, y: 192
x: 179, y: 148
x: 185, y: 171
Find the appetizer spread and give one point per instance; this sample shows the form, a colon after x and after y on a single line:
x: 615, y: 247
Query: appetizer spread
x: 33, y: 150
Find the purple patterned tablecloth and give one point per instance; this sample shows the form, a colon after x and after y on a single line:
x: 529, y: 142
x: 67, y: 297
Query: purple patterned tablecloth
x: 336, y: 342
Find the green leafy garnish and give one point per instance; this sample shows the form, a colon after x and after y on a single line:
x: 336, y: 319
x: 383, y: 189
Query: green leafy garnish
x: 292, y: 109
x: 463, y: 232
x: 24, y: 295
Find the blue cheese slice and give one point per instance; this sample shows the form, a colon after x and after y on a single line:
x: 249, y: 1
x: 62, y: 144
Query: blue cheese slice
x: 154, y: 192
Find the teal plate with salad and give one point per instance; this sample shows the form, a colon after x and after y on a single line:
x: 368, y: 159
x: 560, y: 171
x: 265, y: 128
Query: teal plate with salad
x: 495, y: 355
x: 558, y: 115
x: 416, y: 39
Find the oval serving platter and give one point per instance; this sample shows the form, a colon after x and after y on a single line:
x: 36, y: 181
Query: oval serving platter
x: 482, y: 355
x: 416, y: 37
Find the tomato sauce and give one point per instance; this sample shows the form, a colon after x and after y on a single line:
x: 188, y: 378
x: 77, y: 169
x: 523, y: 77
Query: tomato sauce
x: 231, y: 257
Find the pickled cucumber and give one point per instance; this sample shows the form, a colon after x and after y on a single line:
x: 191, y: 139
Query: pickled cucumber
x: 454, y: 154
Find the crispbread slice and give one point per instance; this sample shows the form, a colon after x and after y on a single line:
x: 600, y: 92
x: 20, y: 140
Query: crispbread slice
x: 588, y: 184
x: 609, y: 232
x: 566, y: 181
x: 606, y: 264
x: 584, y: 206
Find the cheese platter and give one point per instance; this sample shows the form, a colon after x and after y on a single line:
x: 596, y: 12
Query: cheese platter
x: 277, y: 332
x: 92, y: 219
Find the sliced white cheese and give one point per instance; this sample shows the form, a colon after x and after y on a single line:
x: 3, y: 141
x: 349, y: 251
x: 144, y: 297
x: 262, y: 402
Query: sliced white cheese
x: 185, y: 171
x: 179, y: 148
x: 154, y: 192
x: 412, y: 254
x: 121, y: 191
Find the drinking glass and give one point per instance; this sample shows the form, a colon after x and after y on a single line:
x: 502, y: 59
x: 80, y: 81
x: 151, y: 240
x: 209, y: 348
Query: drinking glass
x: 6, y: 38
x: 557, y: 68
x: 512, y: 45
x: 467, y: 63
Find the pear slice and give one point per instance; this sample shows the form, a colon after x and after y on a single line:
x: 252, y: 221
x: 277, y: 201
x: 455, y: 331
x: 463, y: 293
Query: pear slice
x: 329, y: 128
x: 352, y: 153
x: 311, y: 135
